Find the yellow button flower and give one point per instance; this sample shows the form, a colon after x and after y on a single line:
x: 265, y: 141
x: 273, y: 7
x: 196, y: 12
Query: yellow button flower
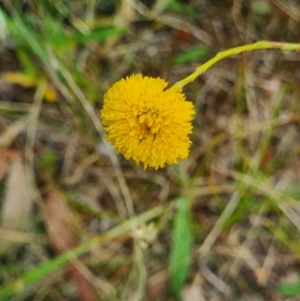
x: 147, y: 123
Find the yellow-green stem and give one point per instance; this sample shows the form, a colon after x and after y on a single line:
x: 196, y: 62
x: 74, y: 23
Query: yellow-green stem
x: 233, y: 51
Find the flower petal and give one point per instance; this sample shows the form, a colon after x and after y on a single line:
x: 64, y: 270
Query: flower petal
x: 147, y: 123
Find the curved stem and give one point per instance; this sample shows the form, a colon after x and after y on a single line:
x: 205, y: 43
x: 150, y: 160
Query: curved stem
x: 233, y: 51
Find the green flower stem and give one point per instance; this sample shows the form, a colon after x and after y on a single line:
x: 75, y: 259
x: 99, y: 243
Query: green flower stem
x: 233, y: 51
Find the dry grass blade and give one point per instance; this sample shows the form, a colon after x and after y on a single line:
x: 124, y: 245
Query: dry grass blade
x: 283, y: 202
x: 193, y: 292
x: 8, y: 137
x: 5, y: 156
x: 17, y: 200
x: 218, y: 226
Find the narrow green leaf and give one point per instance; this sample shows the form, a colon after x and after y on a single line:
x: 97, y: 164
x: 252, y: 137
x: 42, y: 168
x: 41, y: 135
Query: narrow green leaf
x: 28, y: 36
x: 27, y: 63
x: 289, y: 289
x: 185, y: 9
x: 3, y: 28
x: 191, y: 55
x: 261, y: 7
x: 180, y: 257
x: 100, y: 34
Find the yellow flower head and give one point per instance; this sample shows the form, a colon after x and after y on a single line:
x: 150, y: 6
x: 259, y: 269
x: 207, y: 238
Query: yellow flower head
x: 147, y: 123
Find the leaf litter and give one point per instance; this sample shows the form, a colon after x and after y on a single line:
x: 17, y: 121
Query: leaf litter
x: 17, y: 201
x: 235, y: 103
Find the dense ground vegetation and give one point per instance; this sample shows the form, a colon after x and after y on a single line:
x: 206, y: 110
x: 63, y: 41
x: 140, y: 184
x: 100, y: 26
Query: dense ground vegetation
x: 79, y: 222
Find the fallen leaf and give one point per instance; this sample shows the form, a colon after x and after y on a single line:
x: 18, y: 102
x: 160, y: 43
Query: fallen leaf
x: 5, y: 157
x: 62, y: 225
x: 18, y: 78
x: 17, y: 202
x: 29, y: 81
x: 85, y: 288
x: 157, y: 285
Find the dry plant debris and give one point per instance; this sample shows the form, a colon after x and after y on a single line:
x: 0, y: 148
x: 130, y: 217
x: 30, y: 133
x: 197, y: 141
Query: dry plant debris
x: 98, y: 227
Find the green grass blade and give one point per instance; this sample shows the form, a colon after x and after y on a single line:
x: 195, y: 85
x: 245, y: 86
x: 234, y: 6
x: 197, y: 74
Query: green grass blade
x: 289, y: 289
x: 180, y: 257
x: 19, y: 28
x: 191, y: 55
x: 99, y: 35
x: 17, y: 286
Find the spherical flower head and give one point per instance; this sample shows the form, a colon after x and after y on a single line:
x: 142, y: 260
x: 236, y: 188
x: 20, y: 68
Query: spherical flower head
x: 147, y: 123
